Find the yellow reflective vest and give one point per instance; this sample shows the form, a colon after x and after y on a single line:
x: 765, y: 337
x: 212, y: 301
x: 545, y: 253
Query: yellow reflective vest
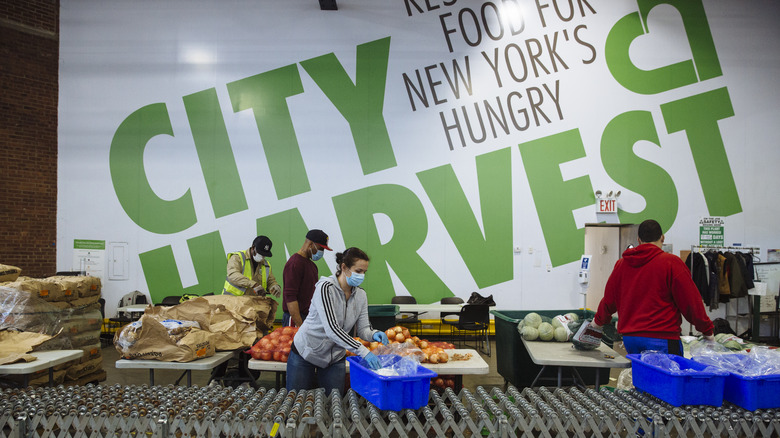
x: 246, y: 269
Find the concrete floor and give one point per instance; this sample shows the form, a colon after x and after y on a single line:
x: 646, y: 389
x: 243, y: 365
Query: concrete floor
x: 267, y: 379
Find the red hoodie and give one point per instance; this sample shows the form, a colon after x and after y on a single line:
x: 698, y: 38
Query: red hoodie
x: 650, y: 290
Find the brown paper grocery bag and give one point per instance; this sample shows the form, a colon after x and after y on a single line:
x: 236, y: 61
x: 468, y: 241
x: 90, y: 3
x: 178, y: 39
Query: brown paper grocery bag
x: 147, y: 338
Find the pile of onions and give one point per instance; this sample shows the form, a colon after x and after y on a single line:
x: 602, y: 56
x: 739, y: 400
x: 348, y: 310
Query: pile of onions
x: 275, y: 345
x: 432, y: 352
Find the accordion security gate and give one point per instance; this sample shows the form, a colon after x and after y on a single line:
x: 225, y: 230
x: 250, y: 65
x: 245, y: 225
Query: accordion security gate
x: 214, y: 411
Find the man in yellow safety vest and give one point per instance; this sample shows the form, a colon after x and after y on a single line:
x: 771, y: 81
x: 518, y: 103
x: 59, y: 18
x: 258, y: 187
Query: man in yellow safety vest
x: 248, y: 272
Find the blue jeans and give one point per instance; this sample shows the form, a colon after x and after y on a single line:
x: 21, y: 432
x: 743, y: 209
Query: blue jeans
x: 638, y: 344
x: 302, y: 374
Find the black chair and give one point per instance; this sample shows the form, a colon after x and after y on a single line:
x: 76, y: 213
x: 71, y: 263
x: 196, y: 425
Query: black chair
x: 123, y: 318
x: 408, y: 319
x: 449, y: 318
x: 106, y: 332
x: 474, y: 319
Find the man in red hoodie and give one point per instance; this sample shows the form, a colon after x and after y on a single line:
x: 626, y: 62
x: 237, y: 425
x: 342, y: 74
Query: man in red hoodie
x: 651, y: 291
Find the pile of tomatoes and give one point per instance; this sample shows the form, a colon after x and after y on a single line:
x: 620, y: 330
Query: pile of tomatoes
x: 275, y: 345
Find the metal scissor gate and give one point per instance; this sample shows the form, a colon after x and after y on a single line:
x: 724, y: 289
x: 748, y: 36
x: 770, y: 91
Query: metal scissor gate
x: 95, y: 411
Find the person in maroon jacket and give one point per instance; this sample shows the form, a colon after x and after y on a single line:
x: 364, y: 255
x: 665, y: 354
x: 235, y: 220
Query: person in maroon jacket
x: 299, y: 276
x: 651, y: 291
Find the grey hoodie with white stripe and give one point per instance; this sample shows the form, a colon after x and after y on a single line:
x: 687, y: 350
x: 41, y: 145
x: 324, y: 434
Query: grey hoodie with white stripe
x: 323, y: 336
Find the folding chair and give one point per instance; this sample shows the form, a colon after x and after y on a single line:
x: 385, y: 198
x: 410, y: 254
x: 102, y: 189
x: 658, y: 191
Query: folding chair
x: 408, y: 319
x: 475, y: 319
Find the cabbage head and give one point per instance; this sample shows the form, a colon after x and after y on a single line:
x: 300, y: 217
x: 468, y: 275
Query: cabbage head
x: 561, y: 335
x: 546, y: 331
x: 532, y: 320
x: 572, y: 316
x: 529, y: 333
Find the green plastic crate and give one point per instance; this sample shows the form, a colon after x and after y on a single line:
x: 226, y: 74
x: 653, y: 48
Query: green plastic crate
x: 512, y: 359
x: 382, y: 316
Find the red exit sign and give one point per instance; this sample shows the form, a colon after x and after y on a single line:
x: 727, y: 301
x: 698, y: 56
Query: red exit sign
x: 606, y: 206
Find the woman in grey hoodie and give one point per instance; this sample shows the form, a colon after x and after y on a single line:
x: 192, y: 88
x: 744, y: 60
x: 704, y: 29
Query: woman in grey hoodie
x: 339, y: 304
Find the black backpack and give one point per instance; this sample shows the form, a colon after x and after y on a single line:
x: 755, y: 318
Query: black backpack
x: 476, y: 298
x: 722, y: 326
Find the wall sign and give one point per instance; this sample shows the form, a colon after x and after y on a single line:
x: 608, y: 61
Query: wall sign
x: 711, y: 231
x: 89, y: 257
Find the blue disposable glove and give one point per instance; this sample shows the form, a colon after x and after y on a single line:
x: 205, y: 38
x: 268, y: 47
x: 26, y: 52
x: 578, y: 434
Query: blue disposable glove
x: 381, y: 337
x: 372, y: 361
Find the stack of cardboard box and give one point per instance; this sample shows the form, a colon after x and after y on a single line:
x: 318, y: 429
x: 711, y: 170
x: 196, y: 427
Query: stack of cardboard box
x: 66, y: 307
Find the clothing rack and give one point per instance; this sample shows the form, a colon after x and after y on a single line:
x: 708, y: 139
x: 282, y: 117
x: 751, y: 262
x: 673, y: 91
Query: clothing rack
x: 753, y: 251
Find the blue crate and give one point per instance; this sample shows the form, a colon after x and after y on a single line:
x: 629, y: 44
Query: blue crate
x: 703, y: 388
x: 392, y: 393
x: 752, y: 392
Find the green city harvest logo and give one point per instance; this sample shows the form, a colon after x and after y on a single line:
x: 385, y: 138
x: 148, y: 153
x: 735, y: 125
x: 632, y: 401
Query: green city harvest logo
x: 486, y: 249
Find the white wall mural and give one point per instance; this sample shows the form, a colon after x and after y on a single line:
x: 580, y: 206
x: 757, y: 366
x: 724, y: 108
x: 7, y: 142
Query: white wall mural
x: 458, y: 143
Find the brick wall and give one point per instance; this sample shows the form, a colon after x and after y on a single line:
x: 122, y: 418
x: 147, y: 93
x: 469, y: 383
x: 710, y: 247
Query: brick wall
x: 29, y: 57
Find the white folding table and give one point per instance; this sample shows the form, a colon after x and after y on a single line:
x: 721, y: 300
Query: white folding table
x: 204, y: 364
x: 133, y: 309
x: 475, y: 365
x: 44, y: 359
x: 435, y: 307
x: 564, y: 355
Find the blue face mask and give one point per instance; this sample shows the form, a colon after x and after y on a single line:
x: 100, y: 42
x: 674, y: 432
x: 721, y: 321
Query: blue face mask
x: 355, y: 279
x: 318, y: 255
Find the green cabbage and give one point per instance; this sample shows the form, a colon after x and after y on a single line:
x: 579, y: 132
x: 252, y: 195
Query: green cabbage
x: 546, y: 331
x: 572, y: 316
x: 529, y: 333
x: 532, y: 320
x: 561, y: 335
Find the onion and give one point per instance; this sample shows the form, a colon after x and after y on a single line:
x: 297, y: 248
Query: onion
x: 433, y: 358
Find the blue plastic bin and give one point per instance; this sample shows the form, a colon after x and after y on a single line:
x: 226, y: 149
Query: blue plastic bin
x: 752, y: 392
x: 391, y: 393
x: 703, y: 388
